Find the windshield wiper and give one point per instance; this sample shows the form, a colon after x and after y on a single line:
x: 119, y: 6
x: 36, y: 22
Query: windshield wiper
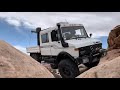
x: 81, y: 37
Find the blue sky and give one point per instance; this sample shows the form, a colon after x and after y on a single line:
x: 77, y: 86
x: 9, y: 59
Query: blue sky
x: 19, y: 37
x: 15, y: 27
x: 104, y: 41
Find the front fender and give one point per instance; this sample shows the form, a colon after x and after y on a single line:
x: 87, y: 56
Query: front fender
x: 64, y: 55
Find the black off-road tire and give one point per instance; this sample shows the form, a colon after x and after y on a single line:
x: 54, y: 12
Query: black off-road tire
x: 68, y: 69
x: 35, y: 56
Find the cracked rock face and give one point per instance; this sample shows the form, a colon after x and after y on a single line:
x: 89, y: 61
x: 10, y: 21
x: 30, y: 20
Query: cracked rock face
x: 114, y: 38
x: 15, y: 64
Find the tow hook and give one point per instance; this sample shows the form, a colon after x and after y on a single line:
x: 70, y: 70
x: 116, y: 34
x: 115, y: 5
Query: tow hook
x: 103, y: 52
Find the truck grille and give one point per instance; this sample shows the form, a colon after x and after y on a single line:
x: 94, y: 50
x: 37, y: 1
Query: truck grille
x: 95, y: 47
x: 90, y: 49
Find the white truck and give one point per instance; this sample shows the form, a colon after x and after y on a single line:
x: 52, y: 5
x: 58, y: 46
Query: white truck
x: 65, y: 47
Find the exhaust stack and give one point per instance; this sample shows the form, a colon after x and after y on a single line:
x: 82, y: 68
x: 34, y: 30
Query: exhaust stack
x: 38, y: 36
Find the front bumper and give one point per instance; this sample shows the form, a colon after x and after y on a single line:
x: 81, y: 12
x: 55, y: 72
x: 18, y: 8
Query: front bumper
x: 91, y: 57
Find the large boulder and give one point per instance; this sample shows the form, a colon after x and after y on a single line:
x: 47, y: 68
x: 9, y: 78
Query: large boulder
x: 15, y: 64
x: 114, y: 38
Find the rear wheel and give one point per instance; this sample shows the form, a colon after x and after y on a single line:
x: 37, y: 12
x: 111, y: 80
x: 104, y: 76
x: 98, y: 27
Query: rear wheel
x: 68, y: 69
x: 35, y: 56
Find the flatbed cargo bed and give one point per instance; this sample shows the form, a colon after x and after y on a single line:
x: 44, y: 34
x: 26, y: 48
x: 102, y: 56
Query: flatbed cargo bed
x: 35, y: 49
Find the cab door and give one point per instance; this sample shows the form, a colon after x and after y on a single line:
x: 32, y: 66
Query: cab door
x: 56, y: 46
x: 45, y: 44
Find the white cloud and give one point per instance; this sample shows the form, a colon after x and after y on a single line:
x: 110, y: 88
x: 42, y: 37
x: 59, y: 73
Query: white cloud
x: 98, y: 23
x: 28, y: 25
x: 22, y: 49
x: 13, y: 21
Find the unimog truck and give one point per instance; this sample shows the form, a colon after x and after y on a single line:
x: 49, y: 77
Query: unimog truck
x: 66, y: 46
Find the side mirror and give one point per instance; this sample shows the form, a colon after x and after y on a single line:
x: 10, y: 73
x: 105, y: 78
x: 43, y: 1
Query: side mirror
x: 90, y: 34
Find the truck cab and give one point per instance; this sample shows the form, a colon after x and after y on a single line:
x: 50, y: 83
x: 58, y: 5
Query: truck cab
x: 66, y: 46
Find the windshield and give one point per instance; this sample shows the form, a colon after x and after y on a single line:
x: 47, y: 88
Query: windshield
x: 73, y: 32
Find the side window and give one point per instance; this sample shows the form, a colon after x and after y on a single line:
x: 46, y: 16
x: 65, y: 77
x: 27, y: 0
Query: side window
x: 45, y: 38
x: 54, y: 36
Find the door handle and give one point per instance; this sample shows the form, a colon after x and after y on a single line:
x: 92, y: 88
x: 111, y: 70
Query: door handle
x: 58, y: 42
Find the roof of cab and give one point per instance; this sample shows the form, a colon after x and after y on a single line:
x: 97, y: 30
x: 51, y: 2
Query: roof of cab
x: 62, y: 24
